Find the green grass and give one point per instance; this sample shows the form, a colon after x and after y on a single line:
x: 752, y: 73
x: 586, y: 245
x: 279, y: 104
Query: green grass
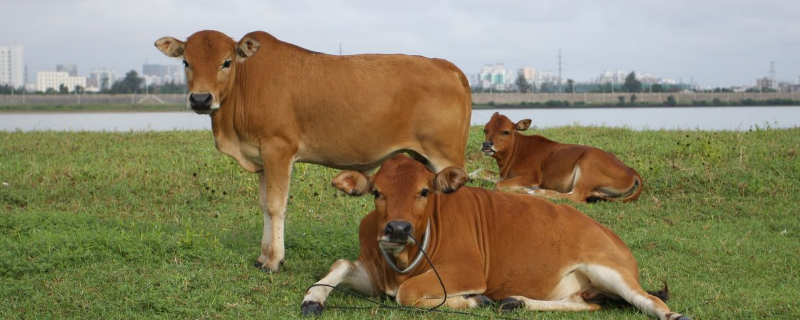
x: 111, y: 107
x: 161, y: 225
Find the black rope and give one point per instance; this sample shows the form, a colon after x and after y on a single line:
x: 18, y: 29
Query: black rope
x: 405, y: 308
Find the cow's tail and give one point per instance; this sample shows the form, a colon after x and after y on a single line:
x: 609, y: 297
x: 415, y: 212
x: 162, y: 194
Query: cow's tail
x: 627, y: 196
x: 662, y: 294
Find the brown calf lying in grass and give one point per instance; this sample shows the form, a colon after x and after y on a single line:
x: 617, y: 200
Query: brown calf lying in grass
x: 542, y: 167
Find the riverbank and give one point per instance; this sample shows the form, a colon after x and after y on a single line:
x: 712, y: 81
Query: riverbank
x: 161, y: 225
x: 110, y: 107
x: 17, y: 109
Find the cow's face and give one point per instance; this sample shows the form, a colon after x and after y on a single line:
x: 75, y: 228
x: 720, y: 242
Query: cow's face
x: 402, y: 189
x: 499, y: 134
x: 209, y: 59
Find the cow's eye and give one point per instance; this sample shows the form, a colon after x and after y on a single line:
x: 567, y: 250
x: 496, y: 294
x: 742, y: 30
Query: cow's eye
x: 485, y: 131
x: 505, y: 133
x: 185, y: 64
x: 226, y: 64
x: 424, y: 192
x: 376, y: 194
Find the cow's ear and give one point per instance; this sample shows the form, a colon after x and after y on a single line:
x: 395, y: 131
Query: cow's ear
x: 353, y: 183
x: 495, y: 114
x: 170, y: 46
x: 247, y: 47
x: 523, y: 125
x: 450, y: 179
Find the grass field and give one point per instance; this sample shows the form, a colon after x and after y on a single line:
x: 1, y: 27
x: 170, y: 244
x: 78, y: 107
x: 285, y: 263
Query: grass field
x: 161, y: 225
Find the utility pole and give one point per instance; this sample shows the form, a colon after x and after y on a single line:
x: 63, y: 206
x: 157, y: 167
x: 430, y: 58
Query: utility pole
x: 340, y: 48
x: 559, y: 71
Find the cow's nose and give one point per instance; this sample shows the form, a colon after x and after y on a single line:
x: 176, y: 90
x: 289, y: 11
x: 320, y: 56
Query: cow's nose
x: 398, y: 230
x: 487, y: 144
x: 200, y: 101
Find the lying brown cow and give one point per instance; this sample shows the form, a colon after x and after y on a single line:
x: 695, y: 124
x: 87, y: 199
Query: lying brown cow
x: 273, y: 103
x: 486, y: 245
x: 542, y: 167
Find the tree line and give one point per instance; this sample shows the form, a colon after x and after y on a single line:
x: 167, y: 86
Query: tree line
x: 630, y: 85
x: 132, y: 83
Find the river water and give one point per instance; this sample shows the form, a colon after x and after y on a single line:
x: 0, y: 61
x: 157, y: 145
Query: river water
x: 670, y: 118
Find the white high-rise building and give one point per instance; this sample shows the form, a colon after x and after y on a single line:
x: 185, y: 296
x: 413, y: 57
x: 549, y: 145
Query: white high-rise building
x: 54, y: 80
x: 101, y: 79
x: 12, y: 66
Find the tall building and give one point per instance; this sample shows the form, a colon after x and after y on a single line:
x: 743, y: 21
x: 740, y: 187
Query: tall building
x: 12, y: 66
x: 101, y: 79
x: 54, y: 80
x: 528, y: 73
x: 159, y: 74
x: 496, y: 76
x: 766, y: 83
x: 70, y: 68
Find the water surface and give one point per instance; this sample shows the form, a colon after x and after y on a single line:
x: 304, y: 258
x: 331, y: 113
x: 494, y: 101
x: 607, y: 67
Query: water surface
x: 668, y: 118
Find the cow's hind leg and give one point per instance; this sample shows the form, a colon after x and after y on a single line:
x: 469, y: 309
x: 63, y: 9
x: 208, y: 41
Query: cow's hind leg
x: 342, y: 271
x: 625, y: 285
x: 571, y: 303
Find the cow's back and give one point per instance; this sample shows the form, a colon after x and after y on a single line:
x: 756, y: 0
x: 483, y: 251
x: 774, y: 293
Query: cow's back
x: 351, y: 110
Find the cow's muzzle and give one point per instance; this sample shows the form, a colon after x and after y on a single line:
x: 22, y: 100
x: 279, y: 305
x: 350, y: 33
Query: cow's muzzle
x: 201, y: 102
x: 398, y: 231
x: 488, y: 148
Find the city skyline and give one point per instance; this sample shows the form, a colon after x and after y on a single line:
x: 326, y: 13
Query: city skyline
x: 715, y: 43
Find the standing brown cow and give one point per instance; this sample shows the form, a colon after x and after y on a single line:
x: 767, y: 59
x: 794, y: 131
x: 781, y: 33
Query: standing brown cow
x: 522, y: 251
x: 273, y: 103
x: 542, y: 167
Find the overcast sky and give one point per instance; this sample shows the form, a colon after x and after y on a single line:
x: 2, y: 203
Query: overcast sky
x: 716, y: 43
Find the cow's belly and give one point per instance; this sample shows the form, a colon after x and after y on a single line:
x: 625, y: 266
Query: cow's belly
x: 364, y: 159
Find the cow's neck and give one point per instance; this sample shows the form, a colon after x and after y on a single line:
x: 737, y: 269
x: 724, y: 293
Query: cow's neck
x: 506, y: 160
x: 526, y: 149
x: 393, y: 278
x: 225, y: 137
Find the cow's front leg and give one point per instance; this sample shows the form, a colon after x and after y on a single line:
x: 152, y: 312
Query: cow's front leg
x: 463, y: 291
x: 274, y: 191
x: 342, y: 271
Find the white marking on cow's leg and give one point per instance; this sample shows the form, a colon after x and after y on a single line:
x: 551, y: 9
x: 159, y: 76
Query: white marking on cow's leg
x: 570, y: 303
x: 486, y: 175
x: 342, y: 271
x: 266, y: 236
x: 627, y: 287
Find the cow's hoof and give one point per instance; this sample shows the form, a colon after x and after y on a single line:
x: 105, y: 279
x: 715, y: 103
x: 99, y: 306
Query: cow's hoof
x: 483, y: 301
x: 509, y: 304
x: 312, y: 308
x: 264, y: 267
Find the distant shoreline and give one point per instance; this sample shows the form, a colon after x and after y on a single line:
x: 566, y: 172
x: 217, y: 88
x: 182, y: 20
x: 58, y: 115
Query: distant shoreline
x: 521, y: 107
x: 128, y: 108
